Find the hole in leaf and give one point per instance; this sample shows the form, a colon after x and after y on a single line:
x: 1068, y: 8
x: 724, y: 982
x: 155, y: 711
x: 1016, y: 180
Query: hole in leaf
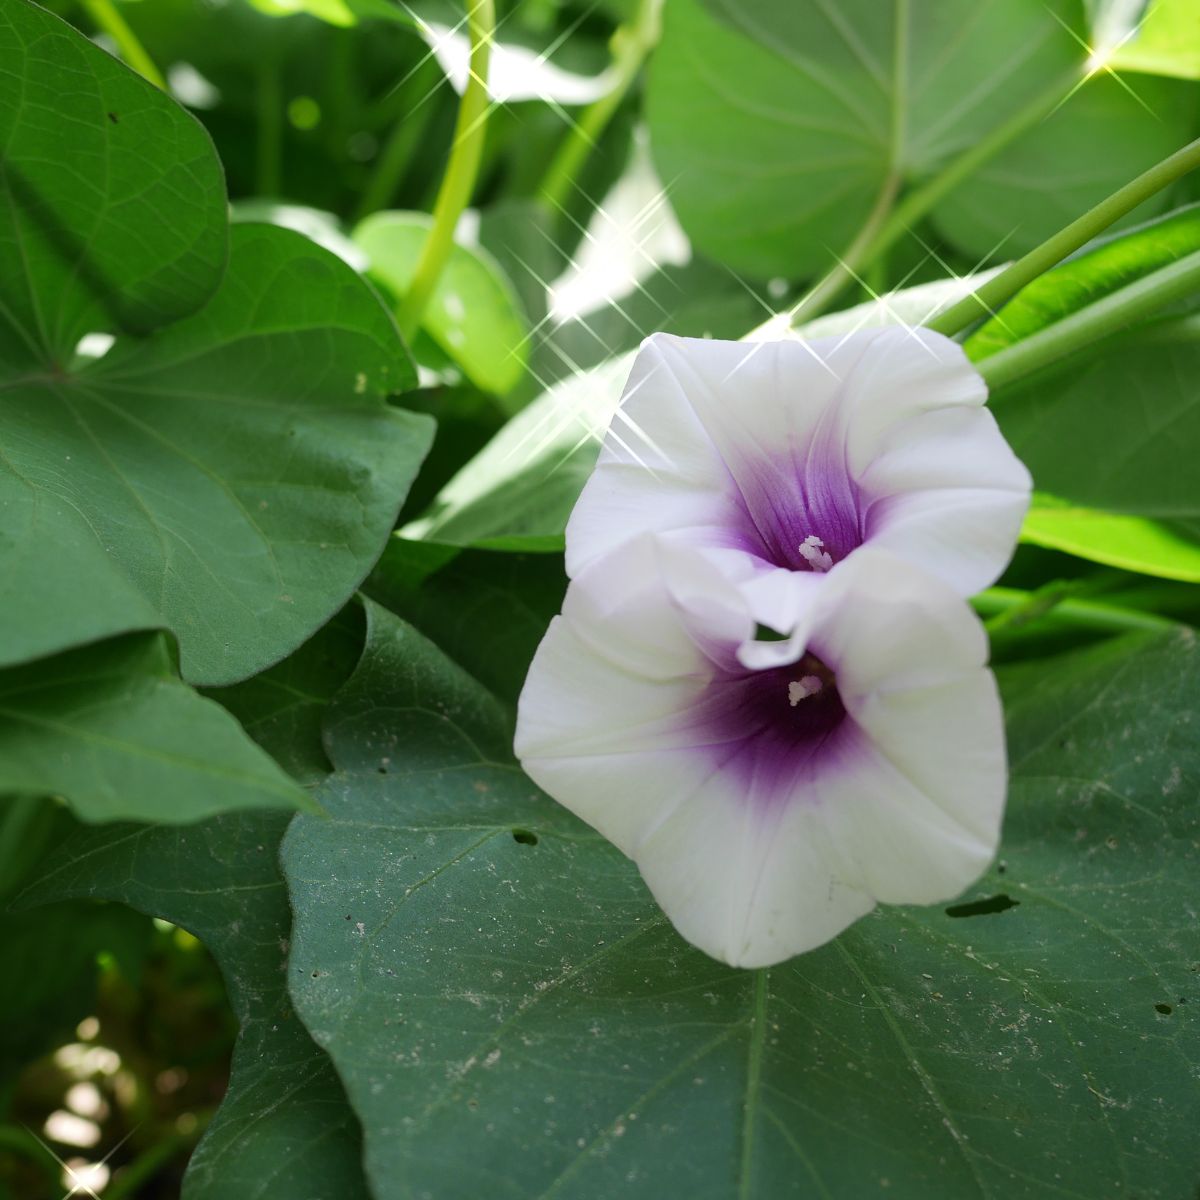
x: 982, y: 908
x: 381, y: 770
x: 1165, y: 1009
x: 525, y: 837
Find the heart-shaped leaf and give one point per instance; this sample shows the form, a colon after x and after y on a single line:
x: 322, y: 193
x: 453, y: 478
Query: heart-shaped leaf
x: 835, y: 103
x: 510, y: 1012
x: 232, y: 478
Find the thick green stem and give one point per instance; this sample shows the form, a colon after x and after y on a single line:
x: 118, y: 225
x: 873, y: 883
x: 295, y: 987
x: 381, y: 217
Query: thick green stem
x: 459, y: 181
x: 631, y: 43
x: 1004, y: 286
x: 921, y: 200
x: 1019, y: 608
x: 108, y: 18
x: 816, y: 300
x: 1107, y: 316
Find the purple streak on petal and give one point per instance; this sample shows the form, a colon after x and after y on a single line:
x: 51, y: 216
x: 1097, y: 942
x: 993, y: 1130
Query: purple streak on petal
x: 748, y: 725
x: 799, y: 492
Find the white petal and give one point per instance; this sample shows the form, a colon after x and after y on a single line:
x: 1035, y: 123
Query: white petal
x: 748, y: 886
x: 947, y: 493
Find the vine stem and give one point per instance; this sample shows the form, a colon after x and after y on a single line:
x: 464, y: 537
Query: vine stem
x: 631, y: 43
x: 889, y: 227
x: 109, y: 19
x: 459, y: 180
x: 1019, y: 607
x: 1109, y: 315
x: 1001, y: 288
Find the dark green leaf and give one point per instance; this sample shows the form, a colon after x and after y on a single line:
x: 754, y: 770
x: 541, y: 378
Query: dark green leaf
x: 282, y: 708
x: 284, y: 1131
x: 112, y: 203
x: 511, y: 1014
x: 233, y: 477
x: 111, y: 729
x: 486, y: 610
x: 1116, y: 430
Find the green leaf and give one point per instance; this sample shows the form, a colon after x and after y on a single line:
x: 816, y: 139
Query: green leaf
x: 111, y: 729
x: 284, y: 1130
x: 511, y: 1014
x: 282, y: 708
x: 486, y: 610
x: 1116, y: 430
x: 473, y: 315
x: 122, y: 226
x: 1166, y: 42
x: 1053, y: 173
x: 1089, y: 277
x: 781, y: 124
x: 1131, y: 543
x: 232, y: 478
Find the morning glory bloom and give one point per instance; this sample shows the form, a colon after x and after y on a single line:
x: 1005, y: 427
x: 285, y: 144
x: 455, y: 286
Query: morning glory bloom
x: 779, y: 460
x: 769, y: 803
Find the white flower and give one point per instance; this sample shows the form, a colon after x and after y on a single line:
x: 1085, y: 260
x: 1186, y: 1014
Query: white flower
x: 780, y: 459
x: 769, y: 808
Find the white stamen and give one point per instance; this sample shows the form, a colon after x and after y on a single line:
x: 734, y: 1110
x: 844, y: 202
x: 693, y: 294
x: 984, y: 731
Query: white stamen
x: 807, y: 685
x: 813, y: 554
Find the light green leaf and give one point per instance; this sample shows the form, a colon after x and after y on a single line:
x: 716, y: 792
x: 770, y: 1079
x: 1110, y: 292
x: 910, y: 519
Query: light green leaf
x: 511, y: 1014
x: 122, y: 226
x: 1080, y: 281
x: 1053, y: 173
x: 232, y: 478
x: 781, y: 124
x: 473, y: 315
x: 340, y: 12
x: 1131, y: 543
x: 1165, y: 41
x: 284, y: 1130
x: 1116, y: 430
x: 111, y: 729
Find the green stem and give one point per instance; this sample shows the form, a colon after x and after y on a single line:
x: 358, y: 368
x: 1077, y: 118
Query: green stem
x: 409, y: 128
x: 1107, y: 316
x: 631, y: 43
x: 109, y: 19
x: 922, y: 200
x: 459, y: 180
x: 817, y: 299
x: 1019, y: 608
x: 1004, y: 286
x: 152, y: 1160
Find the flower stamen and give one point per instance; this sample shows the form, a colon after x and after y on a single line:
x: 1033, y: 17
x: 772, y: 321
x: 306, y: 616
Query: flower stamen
x: 798, y: 689
x: 813, y: 552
